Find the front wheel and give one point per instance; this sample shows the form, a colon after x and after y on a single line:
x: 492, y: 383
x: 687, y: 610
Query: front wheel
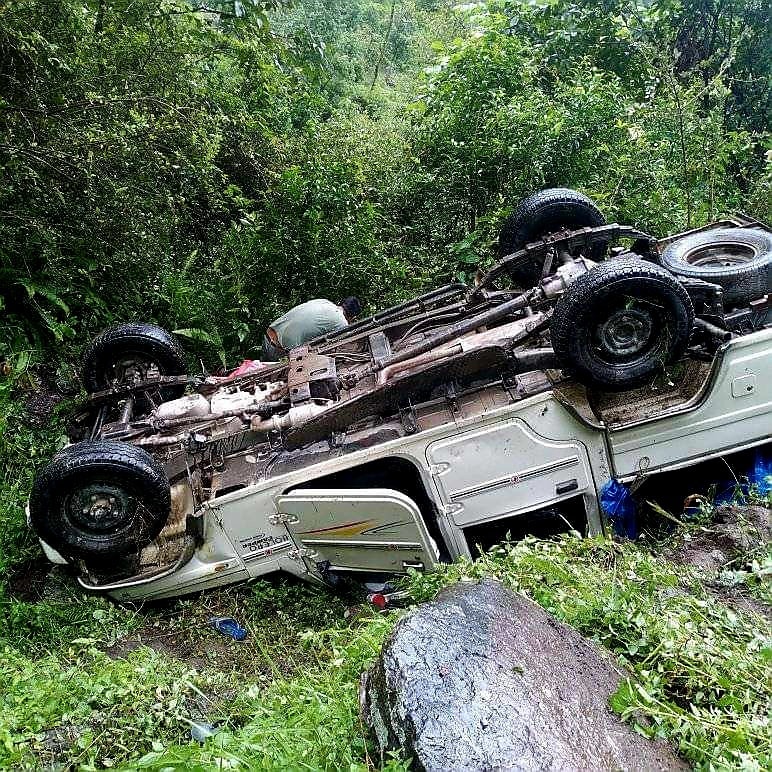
x: 620, y: 323
x: 98, y: 499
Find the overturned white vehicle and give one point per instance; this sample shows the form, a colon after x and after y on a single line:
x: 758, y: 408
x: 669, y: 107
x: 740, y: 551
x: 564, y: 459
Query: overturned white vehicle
x: 396, y: 442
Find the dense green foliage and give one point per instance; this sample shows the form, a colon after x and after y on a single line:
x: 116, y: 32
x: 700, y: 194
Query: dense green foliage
x: 205, y: 169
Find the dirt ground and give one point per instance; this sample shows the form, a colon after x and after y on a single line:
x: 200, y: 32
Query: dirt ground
x: 28, y: 580
x: 716, y: 550
x: 44, y: 392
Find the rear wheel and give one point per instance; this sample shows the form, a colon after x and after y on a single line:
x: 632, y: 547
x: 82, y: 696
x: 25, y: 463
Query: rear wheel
x: 542, y: 213
x: 100, y: 499
x: 127, y: 354
x: 739, y: 259
x: 619, y: 324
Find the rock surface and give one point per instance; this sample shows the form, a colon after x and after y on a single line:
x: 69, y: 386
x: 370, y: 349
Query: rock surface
x: 484, y: 679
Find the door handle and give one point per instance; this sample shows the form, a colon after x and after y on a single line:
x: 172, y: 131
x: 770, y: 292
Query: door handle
x: 566, y: 487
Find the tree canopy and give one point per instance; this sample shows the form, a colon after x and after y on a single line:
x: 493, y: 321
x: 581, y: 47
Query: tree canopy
x: 207, y: 165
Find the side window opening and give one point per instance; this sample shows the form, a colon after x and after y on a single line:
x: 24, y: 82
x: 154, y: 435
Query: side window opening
x: 713, y: 481
x: 548, y: 521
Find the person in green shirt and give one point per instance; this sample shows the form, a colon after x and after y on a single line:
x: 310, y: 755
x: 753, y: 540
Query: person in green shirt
x: 305, y: 322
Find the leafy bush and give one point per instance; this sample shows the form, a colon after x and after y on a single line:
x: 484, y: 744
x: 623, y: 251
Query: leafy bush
x: 130, y: 139
x: 205, y: 170
x: 535, y: 100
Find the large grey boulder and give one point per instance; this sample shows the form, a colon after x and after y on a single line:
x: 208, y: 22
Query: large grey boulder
x: 484, y: 679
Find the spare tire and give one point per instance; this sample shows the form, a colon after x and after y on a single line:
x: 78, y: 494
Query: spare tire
x: 619, y: 324
x: 100, y: 498
x: 739, y: 259
x: 545, y: 212
x: 124, y: 353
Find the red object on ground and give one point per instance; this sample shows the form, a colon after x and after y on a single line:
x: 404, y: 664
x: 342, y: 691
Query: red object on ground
x: 378, y: 600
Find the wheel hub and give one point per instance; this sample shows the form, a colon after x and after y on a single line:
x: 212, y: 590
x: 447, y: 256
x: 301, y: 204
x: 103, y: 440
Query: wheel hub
x: 625, y: 332
x: 133, y: 369
x: 99, y: 507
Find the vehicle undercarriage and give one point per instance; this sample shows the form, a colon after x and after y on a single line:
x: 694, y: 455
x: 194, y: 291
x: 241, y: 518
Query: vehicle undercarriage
x: 152, y: 445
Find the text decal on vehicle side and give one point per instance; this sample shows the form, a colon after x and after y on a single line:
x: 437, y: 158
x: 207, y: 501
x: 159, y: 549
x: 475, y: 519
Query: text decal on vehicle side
x: 261, y: 545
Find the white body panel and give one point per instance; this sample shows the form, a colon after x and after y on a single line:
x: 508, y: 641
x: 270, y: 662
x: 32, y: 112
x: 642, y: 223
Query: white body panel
x: 733, y: 411
x: 258, y: 547
x: 511, y: 460
x: 215, y: 563
x: 501, y: 470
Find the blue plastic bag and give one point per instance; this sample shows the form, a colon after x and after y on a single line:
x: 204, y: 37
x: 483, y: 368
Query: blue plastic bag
x: 761, y: 474
x: 228, y: 626
x: 620, y: 508
x: 759, y: 477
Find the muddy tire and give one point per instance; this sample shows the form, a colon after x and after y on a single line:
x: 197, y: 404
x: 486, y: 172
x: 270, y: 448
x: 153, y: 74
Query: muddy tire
x: 620, y: 323
x: 122, y: 354
x: 99, y: 499
x: 545, y: 212
x: 739, y: 259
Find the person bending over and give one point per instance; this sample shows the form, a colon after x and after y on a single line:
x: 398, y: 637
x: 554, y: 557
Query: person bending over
x: 305, y: 322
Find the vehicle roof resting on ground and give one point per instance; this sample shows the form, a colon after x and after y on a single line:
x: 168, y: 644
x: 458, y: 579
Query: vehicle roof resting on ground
x: 588, y: 352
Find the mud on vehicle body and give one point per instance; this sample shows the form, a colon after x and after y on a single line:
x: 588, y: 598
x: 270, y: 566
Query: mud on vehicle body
x: 405, y: 438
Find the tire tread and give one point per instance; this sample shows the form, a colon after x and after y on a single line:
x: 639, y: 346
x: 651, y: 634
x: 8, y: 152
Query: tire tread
x: 104, y: 346
x: 103, y: 454
x: 741, y: 283
x: 541, y: 213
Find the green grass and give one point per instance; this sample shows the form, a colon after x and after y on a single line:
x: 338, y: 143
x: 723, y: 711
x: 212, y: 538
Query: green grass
x: 699, y: 670
x: 310, y: 721
x: 79, y: 706
x: 753, y: 572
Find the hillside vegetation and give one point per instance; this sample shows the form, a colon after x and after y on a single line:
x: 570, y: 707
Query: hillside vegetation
x: 207, y: 165
x: 205, y: 170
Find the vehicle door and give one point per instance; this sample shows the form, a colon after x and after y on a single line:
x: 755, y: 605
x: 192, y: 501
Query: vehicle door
x: 505, y: 469
x: 365, y: 529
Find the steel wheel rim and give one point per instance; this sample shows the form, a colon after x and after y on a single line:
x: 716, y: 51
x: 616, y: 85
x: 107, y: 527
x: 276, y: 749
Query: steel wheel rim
x: 629, y: 332
x: 724, y: 254
x: 100, y: 507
